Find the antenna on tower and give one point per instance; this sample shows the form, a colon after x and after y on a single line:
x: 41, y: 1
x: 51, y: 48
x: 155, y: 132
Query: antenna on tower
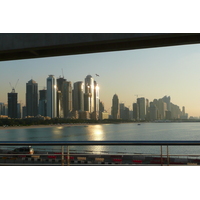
x: 62, y: 73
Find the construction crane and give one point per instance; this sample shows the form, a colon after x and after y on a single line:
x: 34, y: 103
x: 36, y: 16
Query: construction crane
x: 13, y: 88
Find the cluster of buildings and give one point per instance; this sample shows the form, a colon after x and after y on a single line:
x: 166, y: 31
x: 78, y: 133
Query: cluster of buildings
x: 143, y: 110
x: 58, y: 100
x: 62, y: 99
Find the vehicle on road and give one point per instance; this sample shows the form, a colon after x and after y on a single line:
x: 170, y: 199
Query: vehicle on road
x: 23, y: 150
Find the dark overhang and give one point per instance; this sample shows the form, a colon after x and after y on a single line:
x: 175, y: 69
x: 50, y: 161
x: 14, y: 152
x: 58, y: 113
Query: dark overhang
x: 14, y: 46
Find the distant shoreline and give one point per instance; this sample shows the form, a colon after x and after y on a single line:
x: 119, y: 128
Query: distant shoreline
x: 81, y: 124
x: 40, y: 126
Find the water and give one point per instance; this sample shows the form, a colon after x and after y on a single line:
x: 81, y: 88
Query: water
x: 131, y: 131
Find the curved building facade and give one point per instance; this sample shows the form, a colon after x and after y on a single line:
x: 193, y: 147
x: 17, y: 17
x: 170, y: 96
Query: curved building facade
x: 89, y: 94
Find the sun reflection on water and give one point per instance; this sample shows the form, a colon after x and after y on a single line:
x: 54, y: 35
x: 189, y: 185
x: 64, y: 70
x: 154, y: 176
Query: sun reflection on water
x: 57, y: 129
x: 96, y: 132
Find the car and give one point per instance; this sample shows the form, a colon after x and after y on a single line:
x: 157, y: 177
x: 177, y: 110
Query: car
x: 23, y: 150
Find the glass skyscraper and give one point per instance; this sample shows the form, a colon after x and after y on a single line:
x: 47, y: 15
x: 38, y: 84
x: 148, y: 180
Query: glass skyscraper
x: 51, y: 97
x: 12, y: 104
x: 78, y: 99
x: 115, y: 107
x: 89, y: 94
x: 31, y: 98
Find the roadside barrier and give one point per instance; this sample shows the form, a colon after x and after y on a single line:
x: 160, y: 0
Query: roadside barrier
x: 137, y: 161
x: 81, y: 158
x: 116, y: 156
x: 99, y: 159
x: 52, y: 157
x: 71, y: 157
x: 117, y: 160
x: 191, y: 163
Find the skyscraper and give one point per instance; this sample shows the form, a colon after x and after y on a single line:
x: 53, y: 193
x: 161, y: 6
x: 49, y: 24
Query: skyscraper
x: 51, y: 97
x: 12, y: 104
x: 78, y: 100
x: 32, y: 98
x: 135, y: 111
x: 43, y: 102
x: 59, y: 104
x: 153, y: 112
x: 147, y: 110
x: 1, y: 108
x: 24, y: 112
x: 142, y: 108
x: 101, y: 106
x: 60, y: 112
x: 167, y: 101
x: 96, y: 100
x: 60, y: 82
x: 115, y: 107
x: 101, y: 109
x: 122, y: 107
x: 67, y: 98
x: 19, y: 110
x: 162, y: 108
x: 126, y: 114
x: 89, y: 94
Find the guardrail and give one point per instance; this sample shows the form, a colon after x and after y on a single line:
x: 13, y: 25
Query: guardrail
x: 98, y: 159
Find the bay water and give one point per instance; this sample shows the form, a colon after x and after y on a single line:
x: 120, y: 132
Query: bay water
x: 106, y: 132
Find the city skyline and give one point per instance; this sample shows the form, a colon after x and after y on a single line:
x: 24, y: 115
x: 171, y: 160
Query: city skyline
x: 63, y: 86
x: 60, y: 100
x: 150, y: 73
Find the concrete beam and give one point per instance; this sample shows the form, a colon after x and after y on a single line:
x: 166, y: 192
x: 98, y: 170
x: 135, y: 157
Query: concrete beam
x: 14, y: 46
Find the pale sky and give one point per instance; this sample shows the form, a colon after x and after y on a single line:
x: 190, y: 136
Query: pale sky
x: 151, y: 73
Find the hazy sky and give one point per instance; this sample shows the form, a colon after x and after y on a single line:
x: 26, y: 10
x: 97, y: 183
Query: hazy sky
x: 151, y: 73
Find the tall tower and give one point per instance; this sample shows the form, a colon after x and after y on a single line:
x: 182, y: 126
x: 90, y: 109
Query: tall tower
x: 60, y: 102
x: 115, y: 107
x: 67, y: 98
x: 60, y: 82
x: 167, y: 101
x: 142, y: 108
x: 51, y: 97
x: 1, y: 108
x: 153, y: 112
x: 19, y: 110
x: 32, y: 98
x: 135, y: 111
x: 96, y: 100
x: 183, y: 110
x: 12, y: 104
x: 122, y: 108
x: 43, y: 102
x: 78, y: 100
x: 89, y: 94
